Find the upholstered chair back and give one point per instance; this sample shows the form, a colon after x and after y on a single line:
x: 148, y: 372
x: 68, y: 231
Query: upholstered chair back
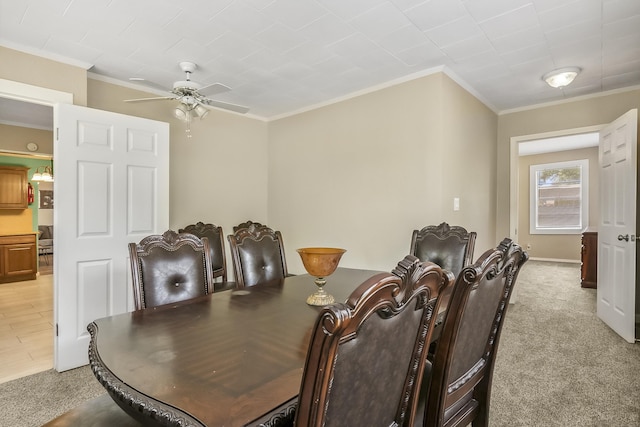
x: 449, y: 247
x: 215, y: 235
x: 366, y: 356
x: 169, y: 268
x: 462, y: 371
x: 258, y: 255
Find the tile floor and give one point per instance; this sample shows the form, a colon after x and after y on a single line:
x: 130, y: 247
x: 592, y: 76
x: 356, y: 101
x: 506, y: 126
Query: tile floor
x: 26, y: 327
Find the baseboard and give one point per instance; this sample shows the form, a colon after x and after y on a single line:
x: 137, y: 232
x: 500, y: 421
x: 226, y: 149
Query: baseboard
x: 569, y: 261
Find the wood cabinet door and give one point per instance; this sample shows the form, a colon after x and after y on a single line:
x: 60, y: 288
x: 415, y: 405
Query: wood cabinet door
x: 18, y: 258
x: 19, y: 261
x: 13, y: 187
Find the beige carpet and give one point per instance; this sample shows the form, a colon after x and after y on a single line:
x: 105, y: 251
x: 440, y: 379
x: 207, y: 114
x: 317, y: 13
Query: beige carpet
x: 32, y: 401
x: 558, y: 365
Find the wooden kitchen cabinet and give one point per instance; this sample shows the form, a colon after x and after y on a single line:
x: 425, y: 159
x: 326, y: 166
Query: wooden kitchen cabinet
x: 589, y: 259
x: 13, y: 187
x: 18, y: 258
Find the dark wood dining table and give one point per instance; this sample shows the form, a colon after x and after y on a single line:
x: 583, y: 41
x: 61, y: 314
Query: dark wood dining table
x: 224, y: 359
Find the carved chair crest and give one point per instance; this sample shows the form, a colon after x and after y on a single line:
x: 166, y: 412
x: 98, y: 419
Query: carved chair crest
x: 444, y: 231
x: 169, y: 240
x: 199, y: 228
x: 246, y: 224
x: 254, y: 231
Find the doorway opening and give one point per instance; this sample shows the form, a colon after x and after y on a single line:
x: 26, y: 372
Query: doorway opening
x: 35, y: 327
x: 550, y: 144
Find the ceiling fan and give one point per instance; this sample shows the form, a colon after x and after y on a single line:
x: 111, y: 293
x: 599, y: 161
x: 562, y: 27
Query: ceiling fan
x: 192, y: 97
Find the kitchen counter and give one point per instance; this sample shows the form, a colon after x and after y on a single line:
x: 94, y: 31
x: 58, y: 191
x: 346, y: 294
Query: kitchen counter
x: 17, y: 233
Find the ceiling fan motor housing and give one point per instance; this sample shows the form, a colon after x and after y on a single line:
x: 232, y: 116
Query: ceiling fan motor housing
x: 185, y: 85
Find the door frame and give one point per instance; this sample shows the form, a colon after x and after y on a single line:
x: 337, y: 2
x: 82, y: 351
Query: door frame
x: 34, y: 94
x: 514, y: 170
x: 43, y: 96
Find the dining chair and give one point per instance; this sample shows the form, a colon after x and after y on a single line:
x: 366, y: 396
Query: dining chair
x: 449, y: 247
x: 366, y: 356
x: 246, y: 224
x: 258, y: 255
x: 458, y: 388
x: 216, y: 245
x: 169, y: 268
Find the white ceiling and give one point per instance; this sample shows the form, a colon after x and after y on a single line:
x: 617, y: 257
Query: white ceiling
x: 284, y: 56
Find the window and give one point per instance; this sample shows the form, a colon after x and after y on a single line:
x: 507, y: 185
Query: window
x: 559, y: 197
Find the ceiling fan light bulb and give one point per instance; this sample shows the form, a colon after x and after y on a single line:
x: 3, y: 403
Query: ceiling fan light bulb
x: 562, y: 77
x: 181, y: 112
x: 201, y: 111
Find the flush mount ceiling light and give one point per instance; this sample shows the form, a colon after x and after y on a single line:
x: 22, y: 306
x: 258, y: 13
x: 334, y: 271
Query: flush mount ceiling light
x: 561, y: 77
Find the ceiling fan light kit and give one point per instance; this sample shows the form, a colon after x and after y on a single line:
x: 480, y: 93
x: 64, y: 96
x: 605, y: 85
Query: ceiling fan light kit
x: 561, y: 77
x: 193, y: 102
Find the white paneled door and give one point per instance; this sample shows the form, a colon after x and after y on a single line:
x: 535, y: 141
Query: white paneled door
x: 616, y: 299
x: 111, y: 188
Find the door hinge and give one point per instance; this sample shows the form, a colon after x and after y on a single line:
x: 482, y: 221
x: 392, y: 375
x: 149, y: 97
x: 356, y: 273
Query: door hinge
x: 56, y: 329
x: 57, y: 134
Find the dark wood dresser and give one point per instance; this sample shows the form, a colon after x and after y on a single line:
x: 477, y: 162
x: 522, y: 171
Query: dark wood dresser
x: 589, y: 258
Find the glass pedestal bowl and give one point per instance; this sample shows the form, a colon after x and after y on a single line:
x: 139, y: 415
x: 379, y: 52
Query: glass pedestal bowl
x: 320, y: 262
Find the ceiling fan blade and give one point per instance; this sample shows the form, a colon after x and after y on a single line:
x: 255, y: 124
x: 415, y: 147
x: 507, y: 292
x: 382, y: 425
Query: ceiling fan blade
x: 157, y: 98
x: 214, y: 89
x: 226, y: 106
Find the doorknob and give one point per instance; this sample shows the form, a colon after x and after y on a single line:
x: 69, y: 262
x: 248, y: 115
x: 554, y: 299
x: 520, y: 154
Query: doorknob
x: 625, y: 237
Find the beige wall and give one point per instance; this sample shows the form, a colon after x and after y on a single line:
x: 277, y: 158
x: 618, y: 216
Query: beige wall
x: 469, y: 164
x: 363, y: 173
x: 34, y: 70
x: 570, y: 115
x: 555, y: 246
x: 16, y: 138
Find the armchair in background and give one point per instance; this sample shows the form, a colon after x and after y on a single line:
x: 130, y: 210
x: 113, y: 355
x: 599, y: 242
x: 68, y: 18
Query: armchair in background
x: 45, y: 242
